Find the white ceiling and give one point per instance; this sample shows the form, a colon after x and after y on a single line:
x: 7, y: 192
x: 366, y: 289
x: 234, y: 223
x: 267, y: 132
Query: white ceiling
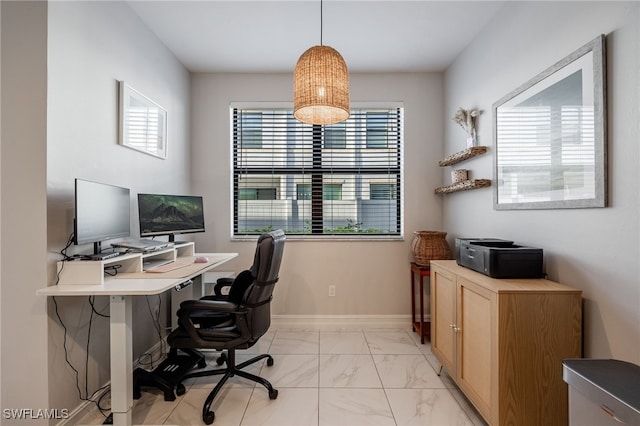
x: 270, y: 36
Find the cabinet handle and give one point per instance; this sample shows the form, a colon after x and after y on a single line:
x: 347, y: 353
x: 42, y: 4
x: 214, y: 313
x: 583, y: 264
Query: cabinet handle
x: 610, y: 413
x: 452, y: 326
x: 457, y: 329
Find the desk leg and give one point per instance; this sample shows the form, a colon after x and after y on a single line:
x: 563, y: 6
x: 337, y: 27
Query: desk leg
x: 121, y: 359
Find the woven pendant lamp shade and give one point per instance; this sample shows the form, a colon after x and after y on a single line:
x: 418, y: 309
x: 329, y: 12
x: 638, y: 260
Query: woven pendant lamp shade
x: 321, y: 87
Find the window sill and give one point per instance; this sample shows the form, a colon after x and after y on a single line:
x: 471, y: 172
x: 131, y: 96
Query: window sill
x: 328, y: 238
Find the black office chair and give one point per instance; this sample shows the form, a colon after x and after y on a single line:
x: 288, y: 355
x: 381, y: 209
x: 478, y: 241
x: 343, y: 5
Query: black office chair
x: 234, y: 321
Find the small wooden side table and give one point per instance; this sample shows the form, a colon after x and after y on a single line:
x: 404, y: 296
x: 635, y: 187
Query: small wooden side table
x: 420, y: 326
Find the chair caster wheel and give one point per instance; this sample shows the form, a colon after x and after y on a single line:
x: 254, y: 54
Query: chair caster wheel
x: 202, y: 363
x: 180, y: 389
x: 209, y: 417
x: 221, y: 359
x: 273, y: 394
x: 269, y: 362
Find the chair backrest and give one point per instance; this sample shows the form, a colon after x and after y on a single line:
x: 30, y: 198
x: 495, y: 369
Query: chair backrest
x: 268, y: 256
x: 265, y: 271
x: 265, y: 267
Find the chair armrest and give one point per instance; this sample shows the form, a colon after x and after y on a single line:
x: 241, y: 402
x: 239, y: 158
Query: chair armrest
x: 194, y: 312
x: 222, y: 283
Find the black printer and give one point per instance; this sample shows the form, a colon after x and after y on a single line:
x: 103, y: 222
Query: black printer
x: 499, y: 258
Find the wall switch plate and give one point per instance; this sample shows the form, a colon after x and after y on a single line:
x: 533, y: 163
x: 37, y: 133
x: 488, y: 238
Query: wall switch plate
x: 332, y: 290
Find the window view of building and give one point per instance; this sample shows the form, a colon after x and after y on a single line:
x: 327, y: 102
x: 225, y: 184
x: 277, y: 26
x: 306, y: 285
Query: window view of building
x: 317, y: 180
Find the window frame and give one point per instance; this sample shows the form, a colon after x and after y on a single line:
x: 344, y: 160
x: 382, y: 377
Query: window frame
x: 400, y: 200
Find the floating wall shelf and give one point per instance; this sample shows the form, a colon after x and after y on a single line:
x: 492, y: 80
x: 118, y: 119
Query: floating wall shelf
x: 466, y: 184
x: 463, y: 186
x: 462, y: 155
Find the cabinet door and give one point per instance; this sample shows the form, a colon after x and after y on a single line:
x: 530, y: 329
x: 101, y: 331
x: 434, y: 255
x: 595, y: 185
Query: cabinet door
x: 474, y: 332
x: 443, y: 317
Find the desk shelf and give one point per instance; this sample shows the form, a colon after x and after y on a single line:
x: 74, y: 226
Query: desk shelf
x: 83, y: 272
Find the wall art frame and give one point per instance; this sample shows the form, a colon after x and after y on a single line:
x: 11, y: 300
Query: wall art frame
x: 142, y: 123
x: 550, y: 136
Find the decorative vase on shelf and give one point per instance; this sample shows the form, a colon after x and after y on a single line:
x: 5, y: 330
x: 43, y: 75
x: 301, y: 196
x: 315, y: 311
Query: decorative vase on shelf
x: 430, y: 245
x: 471, y: 141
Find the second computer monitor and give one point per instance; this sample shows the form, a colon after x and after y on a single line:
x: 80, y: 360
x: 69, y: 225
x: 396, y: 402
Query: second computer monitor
x: 162, y: 214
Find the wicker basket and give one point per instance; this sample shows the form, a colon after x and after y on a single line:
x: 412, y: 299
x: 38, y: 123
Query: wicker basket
x: 430, y: 245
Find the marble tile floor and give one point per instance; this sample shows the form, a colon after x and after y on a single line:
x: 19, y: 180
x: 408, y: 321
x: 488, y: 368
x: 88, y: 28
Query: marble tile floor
x: 325, y: 377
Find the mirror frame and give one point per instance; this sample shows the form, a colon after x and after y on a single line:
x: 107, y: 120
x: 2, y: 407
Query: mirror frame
x: 579, y: 60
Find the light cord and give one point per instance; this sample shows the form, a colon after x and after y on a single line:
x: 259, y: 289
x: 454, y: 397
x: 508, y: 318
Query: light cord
x: 321, y: 23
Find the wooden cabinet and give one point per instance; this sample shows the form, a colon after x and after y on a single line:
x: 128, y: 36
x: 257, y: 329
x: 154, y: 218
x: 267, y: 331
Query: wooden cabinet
x: 503, y: 342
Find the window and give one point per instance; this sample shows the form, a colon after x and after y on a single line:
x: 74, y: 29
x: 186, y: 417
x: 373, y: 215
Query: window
x: 257, y: 193
x: 329, y: 191
x: 377, y: 130
x: 382, y: 191
x: 251, y: 128
x: 335, y: 136
x: 317, y: 181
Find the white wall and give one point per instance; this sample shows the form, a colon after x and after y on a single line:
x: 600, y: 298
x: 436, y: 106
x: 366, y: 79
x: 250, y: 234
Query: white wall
x: 596, y: 250
x: 91, y: 46
x: 23, y: 211
x: 371, y: 278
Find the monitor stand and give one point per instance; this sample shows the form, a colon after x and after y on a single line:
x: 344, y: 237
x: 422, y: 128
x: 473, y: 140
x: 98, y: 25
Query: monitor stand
x: 172, y: 239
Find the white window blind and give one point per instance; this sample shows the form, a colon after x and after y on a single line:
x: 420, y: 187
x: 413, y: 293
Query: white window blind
x: 337, y: 180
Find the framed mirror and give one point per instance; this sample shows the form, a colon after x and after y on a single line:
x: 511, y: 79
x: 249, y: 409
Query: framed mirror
x: 142, y: 123
x: 550, y: 136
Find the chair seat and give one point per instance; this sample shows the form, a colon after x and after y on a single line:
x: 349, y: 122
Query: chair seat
x: 216, y: 336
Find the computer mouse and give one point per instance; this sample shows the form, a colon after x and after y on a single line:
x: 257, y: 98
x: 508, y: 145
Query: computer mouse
x: 201, y: 259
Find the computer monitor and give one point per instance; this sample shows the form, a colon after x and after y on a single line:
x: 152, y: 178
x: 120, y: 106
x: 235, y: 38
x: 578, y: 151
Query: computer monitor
x: 102, y: 212
x: 170, y: 215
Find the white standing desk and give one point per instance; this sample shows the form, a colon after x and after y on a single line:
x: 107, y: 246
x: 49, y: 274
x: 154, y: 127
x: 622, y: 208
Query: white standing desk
x: 121, y: 289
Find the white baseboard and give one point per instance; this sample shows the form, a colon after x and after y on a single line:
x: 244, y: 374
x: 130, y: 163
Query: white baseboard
x: 342, y: 322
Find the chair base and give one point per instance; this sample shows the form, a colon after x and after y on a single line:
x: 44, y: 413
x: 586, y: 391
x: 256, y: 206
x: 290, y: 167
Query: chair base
x: 168, y: 374
x: 231, y: 369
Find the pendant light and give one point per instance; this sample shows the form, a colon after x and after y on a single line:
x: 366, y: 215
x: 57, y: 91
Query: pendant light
x: 321, y: 85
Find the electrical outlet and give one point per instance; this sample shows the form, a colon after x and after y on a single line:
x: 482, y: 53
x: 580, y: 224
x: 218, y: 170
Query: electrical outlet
x: 332, y: 290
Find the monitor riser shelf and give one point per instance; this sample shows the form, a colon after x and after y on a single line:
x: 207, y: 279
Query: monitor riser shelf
x: 83, y: 272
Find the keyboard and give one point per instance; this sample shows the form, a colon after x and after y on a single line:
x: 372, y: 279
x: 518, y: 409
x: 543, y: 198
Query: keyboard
x: 172, y: 266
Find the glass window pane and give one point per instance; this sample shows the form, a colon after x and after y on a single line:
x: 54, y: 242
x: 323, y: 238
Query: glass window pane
x: 377, y: 130
x: 251, y: 130
x: 317, y: 180
x: 332, y: 192
x: 303, y: 191
x: 335, y: 136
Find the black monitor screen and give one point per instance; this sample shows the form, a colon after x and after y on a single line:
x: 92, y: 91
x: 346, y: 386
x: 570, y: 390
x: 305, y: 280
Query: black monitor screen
x: 102, y: 212
x: 170, y: 214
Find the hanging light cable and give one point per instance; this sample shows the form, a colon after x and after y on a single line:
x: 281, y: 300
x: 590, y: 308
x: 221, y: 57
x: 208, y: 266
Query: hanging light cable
x: 321, y: 85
